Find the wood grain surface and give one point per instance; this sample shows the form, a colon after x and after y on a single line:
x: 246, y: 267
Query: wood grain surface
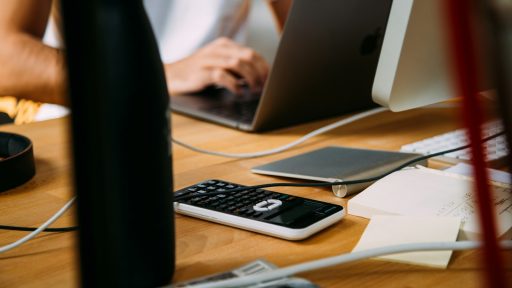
x: 202, y: 247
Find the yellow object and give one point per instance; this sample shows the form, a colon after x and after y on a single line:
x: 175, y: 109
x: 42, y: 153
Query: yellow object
x: 384, y: 230
x: 21, y: 110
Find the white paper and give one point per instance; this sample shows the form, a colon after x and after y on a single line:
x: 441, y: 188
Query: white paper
x: 428, y: 192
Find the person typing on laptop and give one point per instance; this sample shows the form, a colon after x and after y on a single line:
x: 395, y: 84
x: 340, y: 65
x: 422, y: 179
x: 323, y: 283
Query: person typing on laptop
x: 201, y: 44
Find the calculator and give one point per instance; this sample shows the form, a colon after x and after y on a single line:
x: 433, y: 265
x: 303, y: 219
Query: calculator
x: 263, y: 211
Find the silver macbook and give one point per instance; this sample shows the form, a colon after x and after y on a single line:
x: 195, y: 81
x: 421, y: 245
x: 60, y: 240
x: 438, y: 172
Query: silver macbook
x: 324, y: 66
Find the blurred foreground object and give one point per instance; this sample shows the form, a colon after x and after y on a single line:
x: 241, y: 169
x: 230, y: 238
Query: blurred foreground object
x: 465, y: 17
x: 121, y: 151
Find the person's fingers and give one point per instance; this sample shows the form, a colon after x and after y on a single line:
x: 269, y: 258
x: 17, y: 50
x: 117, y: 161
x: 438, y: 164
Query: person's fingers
x: 258, y: 63
x: 248, y: 71
x: 245, y: 55
x: 240, y: 60
x: 224, y: 78
x: 244, y: 69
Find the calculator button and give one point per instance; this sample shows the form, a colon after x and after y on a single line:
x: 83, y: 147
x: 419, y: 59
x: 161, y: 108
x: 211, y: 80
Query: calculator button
x: 181, y: 193
x: 275, y: 202
x: 267, y: 205
x: 261, y: 206
x: 260, y: 209
x: 326, y: 209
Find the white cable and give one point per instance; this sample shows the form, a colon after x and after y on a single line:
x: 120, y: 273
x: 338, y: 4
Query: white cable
x: 346, y: 258
x: 287, y: 146
x: 38, y: 230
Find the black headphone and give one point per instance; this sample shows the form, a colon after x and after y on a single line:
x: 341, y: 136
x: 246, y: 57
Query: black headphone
x: 17, y: 164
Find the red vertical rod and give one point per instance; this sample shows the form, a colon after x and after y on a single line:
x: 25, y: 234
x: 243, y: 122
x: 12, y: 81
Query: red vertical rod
x: 464, y: 54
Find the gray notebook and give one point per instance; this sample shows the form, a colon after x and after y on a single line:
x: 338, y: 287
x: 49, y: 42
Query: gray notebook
x: 336, y: 163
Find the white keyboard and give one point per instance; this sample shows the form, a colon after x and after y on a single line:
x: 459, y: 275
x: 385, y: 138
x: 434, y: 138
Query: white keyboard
x: 496, y: 149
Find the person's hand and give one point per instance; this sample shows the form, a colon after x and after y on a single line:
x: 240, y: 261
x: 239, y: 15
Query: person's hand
x: 221, y: 62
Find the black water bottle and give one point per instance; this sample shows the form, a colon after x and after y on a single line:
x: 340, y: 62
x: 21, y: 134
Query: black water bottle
x: 120, y: 132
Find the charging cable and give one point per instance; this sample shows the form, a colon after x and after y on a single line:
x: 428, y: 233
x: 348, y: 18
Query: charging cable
x: 304, y: 138
x: 346, y: 258
x: 287, y: 146
x: 40, y: 229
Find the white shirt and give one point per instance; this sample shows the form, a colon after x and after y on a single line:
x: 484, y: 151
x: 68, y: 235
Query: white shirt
x: 183, y: 26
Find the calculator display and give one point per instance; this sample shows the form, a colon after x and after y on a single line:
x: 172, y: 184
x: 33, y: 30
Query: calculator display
x: 290, y: 216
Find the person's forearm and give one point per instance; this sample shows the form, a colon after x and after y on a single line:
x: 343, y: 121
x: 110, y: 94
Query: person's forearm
x: 31, y: 70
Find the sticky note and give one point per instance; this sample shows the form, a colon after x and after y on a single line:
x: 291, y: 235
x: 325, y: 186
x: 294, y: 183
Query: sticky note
x: 392, y: 230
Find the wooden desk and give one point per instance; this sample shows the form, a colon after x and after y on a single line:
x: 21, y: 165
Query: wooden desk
x: 203, y: 247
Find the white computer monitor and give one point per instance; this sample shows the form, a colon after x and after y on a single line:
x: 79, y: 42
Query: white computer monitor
x: 414, y: 68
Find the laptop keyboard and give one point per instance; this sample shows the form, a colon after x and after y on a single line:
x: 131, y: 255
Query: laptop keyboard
x: 241, y: 112
x: 241, y: 108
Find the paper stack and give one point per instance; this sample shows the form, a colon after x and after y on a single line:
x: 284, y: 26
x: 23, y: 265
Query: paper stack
x: 427, y: 192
